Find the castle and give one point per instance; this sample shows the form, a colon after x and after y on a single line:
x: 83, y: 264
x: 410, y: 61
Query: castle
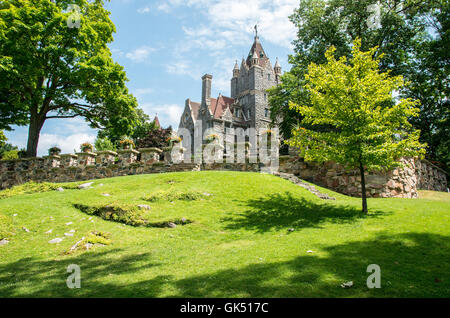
x: 248, y: 105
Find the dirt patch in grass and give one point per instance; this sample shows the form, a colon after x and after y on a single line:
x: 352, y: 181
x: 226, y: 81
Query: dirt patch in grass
x: 93, y: 239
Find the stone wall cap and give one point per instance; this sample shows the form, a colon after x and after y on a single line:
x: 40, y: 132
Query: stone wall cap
x: 92, y: 154
x: 152, y: 149
x: 127, y: 150
x: 52, y: 157
x: 69, y: 155
x: 30, y: 159
x: 109, y: 152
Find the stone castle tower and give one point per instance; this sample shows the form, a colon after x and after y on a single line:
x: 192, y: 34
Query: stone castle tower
x: 248, y: 105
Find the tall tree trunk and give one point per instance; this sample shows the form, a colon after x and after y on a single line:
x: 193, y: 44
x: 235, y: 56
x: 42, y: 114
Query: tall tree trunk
x: 34, y: 131
x: 363, y: 187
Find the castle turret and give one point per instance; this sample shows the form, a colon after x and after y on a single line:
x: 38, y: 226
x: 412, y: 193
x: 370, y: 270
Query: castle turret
x: 277, y: 70
x: 254, y: 60
x: 236, y: 70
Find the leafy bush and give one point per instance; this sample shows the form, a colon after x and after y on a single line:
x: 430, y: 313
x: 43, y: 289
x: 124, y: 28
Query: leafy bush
x: 103, y: 144
x: 54, y: 151
x: 168, y: 195
x: 6, y: 227
x: 122, y: 213
x: 10, y: 155
x: 33, y: 187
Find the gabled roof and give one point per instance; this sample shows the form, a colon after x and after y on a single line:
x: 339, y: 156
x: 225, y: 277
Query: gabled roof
x: 219, y: 105
x: 195, y: 107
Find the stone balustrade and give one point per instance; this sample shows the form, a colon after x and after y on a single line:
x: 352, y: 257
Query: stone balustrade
x: 401, y: 182
x: 105, y: 158
x: 150, y: 155
x: 68, y: 160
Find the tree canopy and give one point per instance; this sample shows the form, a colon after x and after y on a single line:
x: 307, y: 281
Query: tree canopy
x: 412, y: 35
x: 353, y: 117
x: 55, y: 63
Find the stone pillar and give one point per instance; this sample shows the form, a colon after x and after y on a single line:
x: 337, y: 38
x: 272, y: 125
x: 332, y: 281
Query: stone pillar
x: 86, y: 159
x: 150, y: 155
x: 68, y: 160
x: 105, y: 158
x: 52, y: 161
x: 174, y: 154
x: 127, y: 156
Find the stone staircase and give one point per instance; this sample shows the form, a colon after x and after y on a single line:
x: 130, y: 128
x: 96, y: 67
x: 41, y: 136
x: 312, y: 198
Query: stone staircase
x: 296, y: 180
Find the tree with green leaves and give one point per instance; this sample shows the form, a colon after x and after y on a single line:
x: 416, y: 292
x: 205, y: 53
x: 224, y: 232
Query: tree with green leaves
x: 352, y: 116
x: 412, y: 35
x: 3, y: 138
x: 55, y: 63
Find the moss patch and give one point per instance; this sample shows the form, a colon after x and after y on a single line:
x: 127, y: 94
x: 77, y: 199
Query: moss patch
x: 168, y: 195
x: 122, y: 213
x: 34, y: 187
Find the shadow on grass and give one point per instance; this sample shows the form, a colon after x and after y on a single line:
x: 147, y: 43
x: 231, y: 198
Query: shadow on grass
x: 412, y: 265
x: 29, y: 277
x: 283, y: 211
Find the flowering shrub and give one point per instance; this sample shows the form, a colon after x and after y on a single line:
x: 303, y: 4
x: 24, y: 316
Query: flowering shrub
x: 86, y: 147
x: 173, y: 139
x: 212, y: 138
x: 126, y: 143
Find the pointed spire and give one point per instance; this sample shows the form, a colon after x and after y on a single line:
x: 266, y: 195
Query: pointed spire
x: 236, y: 67
x: 276, y: 63
x: 156, y: 121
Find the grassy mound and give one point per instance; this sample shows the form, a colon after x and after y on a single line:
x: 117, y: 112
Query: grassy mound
x: 172, y: 195
x: 34, y: 187
x: 126, y: 214
x: 256, y: 236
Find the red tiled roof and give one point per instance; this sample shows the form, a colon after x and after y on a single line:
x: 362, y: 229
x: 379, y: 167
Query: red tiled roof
x: 219, y: 105
x: 156, y: 121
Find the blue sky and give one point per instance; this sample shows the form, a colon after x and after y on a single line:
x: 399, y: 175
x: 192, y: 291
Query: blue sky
x: 165, y: 48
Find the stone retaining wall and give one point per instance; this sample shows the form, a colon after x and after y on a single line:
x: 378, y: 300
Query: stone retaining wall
x: 402, y: 182
x: 399, y: 182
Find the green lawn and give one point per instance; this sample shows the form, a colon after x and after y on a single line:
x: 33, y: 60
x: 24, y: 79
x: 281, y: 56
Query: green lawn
x: 238, y: 244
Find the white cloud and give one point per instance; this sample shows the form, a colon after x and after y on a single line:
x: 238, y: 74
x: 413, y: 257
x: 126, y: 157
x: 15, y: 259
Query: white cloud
x: 143, y: 10
x: 140, y: 54
x: 140, y: 92
x: 233, y: 20
x: 168, y: 114
x: 67, y: 143
x: 164, y: 7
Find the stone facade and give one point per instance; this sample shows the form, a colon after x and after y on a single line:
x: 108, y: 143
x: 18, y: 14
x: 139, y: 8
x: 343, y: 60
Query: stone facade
x: 401, y: 182
x: 246, y: 108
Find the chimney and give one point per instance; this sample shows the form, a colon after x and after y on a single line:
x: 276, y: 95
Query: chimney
x: 206, y: 88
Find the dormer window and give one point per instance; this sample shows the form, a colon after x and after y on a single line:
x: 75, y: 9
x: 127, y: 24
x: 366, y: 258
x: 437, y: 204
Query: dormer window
x: 261, y: 55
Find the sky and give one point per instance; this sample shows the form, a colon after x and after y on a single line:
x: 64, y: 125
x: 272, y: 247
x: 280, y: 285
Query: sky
x: 166, y: 46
